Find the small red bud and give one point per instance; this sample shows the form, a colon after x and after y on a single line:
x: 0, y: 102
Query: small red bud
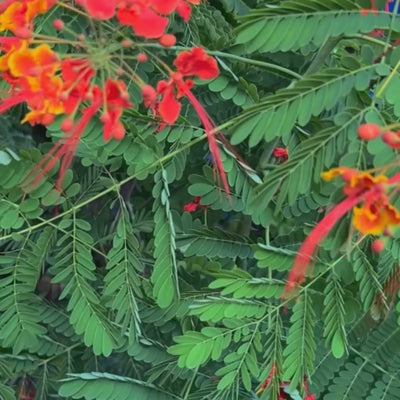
x: 105, y: 117
x: 369, y: 131
x: 81, y: 37
x: 377, y: 246
x: 119, y: 72
x: 126, y: 44
x: 119, y: 132
x: 58, y: 25
x: 387, y: 232
x: 392, y: 139
x: 142, y: 58
x: 47, y: 119
x: 148, y: 92
x: 167, y: 40
x: 67, y: 125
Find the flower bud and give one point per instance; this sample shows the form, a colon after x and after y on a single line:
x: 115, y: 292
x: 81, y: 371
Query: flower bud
x: 377, y: 246
x: 392, y: 139
x: 142, y: 58
x: 67, y: 125
x: 167, y: 40
x: 58, y: 25
x: 369, y: 131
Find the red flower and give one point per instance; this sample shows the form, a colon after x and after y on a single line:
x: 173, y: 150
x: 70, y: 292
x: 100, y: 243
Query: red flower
x: 144, y: 21
x: 191, y: 207
x: 77, y: 76
x: 279, y: 152
x: 196, y: 62
x: 100, y: 9
x: 194, y: 205
x: 17, y: 16
x: 373, y: 217
x: 64, y: 150
x: 189, y: 63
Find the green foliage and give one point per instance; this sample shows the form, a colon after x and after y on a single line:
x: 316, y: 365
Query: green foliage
x: 334, y: 318
x: 122, y: 282
x: 300, y: 349
x: 297, y: 24
x: 107, y: 386
x: 109, y: 290
x: 276, y: 115
x: 74, y: 266
x: 165, y: 275
x: 196, y: 348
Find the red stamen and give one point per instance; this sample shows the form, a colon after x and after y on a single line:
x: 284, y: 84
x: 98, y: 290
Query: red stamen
x: 317, y: 235
x: 64, y: 150
x: 209, y: 127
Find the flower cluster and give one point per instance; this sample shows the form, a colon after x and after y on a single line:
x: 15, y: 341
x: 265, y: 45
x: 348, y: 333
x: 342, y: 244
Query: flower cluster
x: 78, y: 86
x: 367, y: 196
x: 376, y: 214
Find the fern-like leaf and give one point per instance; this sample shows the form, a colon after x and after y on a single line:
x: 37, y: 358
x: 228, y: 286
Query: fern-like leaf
x: 122, y: 281
x: 276, y: 115
x: 300, y: 349
x: 164, y: 277
x: 104, y: 386
x: 295, y: 24
x: 334, y: 314
x: 75, y: 267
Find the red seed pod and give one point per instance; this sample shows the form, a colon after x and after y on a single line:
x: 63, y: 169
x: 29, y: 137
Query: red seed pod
x: 392, y: 139
x: 58, y: 25
x: 369, y: 131
x: 167, y: 40
x: 377, y: 246
x: 142, y: 58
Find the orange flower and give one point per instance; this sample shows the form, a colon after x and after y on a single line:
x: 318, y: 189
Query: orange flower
x: 8, y: 45
x: 357, y: 182
x: 19, y: 15
x: 374, y: 218
x: 334, y: 173
x: 33, y: 62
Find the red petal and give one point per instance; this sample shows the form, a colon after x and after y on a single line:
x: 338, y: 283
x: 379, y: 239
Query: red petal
x: 101, y: 9
x: 196, y: 63
x: 164, y: 7
x: 184, y: 10
x: 145, y: 23
x: 169, y: 108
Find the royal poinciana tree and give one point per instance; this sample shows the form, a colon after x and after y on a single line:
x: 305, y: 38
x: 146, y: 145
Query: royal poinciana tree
x: 199, y: 199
